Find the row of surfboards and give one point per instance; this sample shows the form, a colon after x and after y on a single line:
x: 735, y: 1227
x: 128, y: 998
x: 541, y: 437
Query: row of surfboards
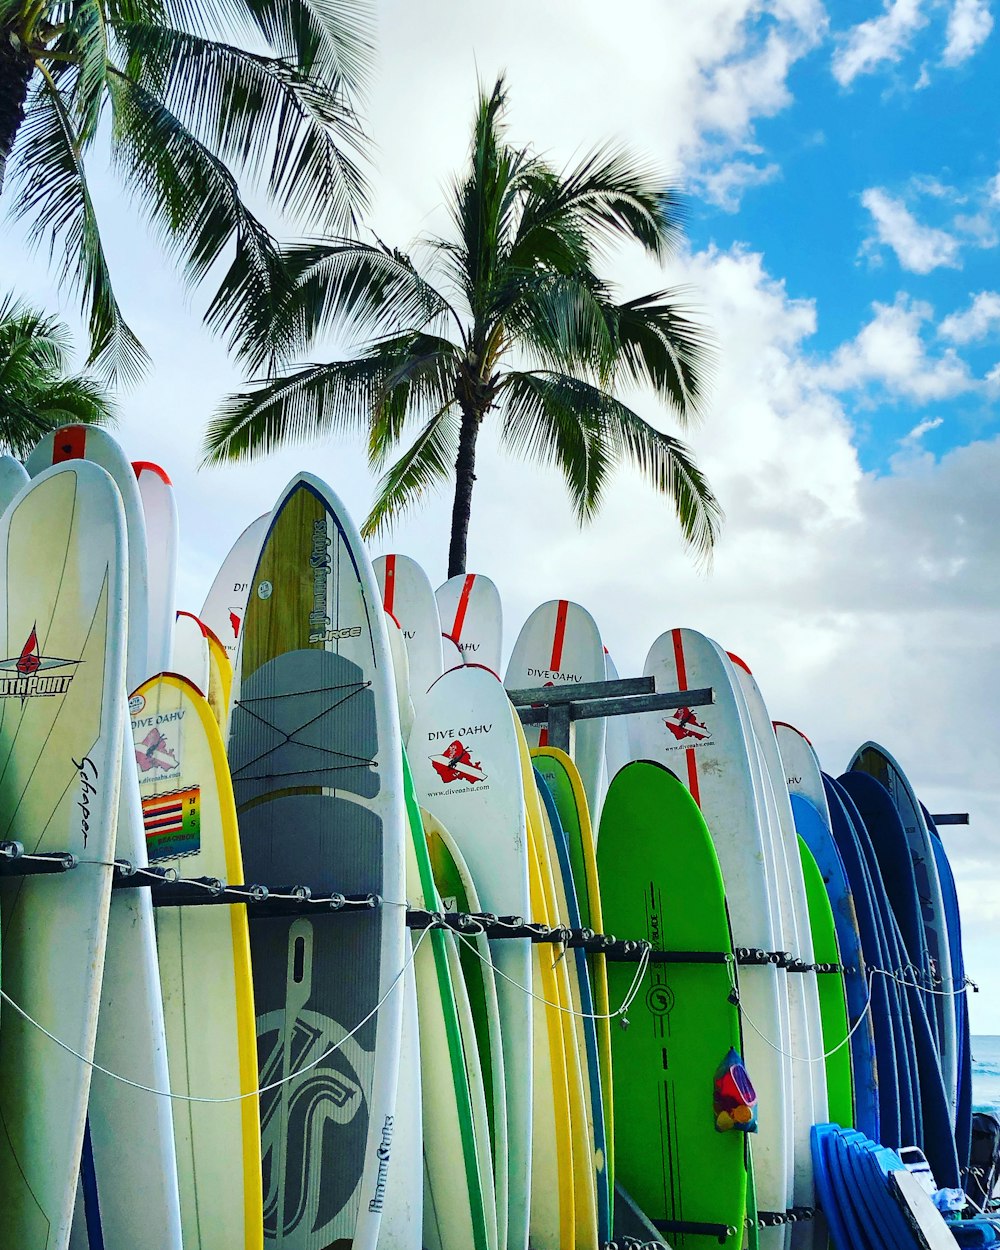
x: 334, y: 724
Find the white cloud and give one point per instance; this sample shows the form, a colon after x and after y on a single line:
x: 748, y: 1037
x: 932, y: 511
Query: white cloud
x: 969, y: 25
x: 993, y: 189
x: 726, y: 185
x: 878, y: 40
x: 975, y: 322
x: 889, y: 352
x: 918, y: 248
x: 922, y: 428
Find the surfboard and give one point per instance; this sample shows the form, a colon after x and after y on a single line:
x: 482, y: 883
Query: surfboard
x: 408, y: 595
x: 832, y: 995
x: 457, y: 892
x: 402, y: 1226
x: 159, y: 510
x: 812, y: 822
x: 710, y: 749
x: 582, y: 1001
x: 90, y: 442
x: 560, y: 644
x: 459, y: 1203
x: 226, y: 600
x: 463, y: 752
x: 220, y: 678
x: 566, y: 787
x: 472, y: 617
x: 660, y: 880
x: 616, y: 744
x: 13, y: 476
x: 62, y: 713
x: 872, y: 758
x: 451, y: 655
x: 190, y: 655
x: 204, y: 960
x: 315, y: 754
x: 809, y: 1073
x: 401, y: 676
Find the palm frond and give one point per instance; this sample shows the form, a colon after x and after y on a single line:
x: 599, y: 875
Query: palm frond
x: 330, y: 38
x: 52, y: 189
x: 557, y: 419
x: 87, y: 36
x: 425, y: 465
x: 286, y: 129
x: 359, y: 290
x: 75, y: 399
x: 662, y: 345
x: 562, y: 320
x: 418, y: 377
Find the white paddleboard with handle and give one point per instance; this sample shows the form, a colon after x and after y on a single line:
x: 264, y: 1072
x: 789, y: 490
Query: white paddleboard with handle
x: 62, y: 715
x: 472, y: 617
x: 159, y: 509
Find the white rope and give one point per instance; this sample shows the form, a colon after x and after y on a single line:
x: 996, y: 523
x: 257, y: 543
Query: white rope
x: 263, y: 1089
x: 627, y: 1002
x: 872, y: 972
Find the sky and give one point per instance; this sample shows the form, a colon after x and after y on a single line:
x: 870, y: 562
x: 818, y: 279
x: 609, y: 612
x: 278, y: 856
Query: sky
x: 841, y: 171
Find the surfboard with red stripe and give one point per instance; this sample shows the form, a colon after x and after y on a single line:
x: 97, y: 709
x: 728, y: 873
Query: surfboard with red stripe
x: 159, y: 509
x: 472, y: 617
x: 560, y: 644
x: 712, y: 750
x: 408, y: 596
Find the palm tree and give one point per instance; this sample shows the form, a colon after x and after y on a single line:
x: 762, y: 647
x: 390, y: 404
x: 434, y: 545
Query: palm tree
x: 156, y: 83
x: 37, y: 393
x: 513, y: 321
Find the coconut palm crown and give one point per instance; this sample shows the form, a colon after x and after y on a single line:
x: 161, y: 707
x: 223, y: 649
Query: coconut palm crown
x: 38, y: 393
x: 183, y: 96
x: 511, y: 320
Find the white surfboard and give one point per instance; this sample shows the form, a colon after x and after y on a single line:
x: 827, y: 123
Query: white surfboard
x: 401, y: 675
x: 408, y: 596
x: 403, y: 1214
x: 62, y: 713
x: 451, y: 654
x: 560, y: 644
x: 134, y: 1158
x: 710, y: 750
x: 190, y: 657
x: 809, y: 1074
x: 472, y: 616
x: 204, y: 960
x: 90, y: 442
x: 616, y: 744
x: 159, y: 510
x: 226, y: 600
x: 316, y: 761
x: 466, y: 770
x: 13, y: 476
x: 802, y: 770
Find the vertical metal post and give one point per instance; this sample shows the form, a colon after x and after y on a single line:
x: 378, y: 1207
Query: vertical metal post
x: 559, y: 726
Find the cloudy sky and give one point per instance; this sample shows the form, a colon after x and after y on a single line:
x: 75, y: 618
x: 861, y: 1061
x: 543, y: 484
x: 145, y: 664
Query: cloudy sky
x: 842, y: 168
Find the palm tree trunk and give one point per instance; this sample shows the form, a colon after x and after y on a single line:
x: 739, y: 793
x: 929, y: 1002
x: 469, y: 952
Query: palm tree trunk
x: 16, y: 67
x: 465, y: 477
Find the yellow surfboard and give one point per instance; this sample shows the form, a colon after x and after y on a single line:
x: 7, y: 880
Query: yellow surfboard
x: 204, y: 957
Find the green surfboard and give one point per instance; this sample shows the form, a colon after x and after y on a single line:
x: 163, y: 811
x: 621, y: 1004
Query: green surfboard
x: 832, y: 998
x: 660, y: 880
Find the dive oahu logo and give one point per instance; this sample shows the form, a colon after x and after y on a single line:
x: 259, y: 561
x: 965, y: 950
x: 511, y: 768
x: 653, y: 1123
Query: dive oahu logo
x: 684, y: 724
x: 153, y: 752
x: 32, y: 675
x: 456, y: 764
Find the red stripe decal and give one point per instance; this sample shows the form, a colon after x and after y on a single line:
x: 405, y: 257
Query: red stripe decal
x: 389, y: 590
x: 559, y: 637
x: 739, y: 663
x: 69, y: 443
x: 682, y: 684
x: 463, y: 607
x: 139, y: 465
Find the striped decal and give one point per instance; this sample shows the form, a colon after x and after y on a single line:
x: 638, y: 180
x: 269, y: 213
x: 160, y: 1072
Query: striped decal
x: 682, y: 684
x: 140, y: 466
x: 69, y: 443
x: 389, y: 590
x: 463, y: 607
x: 559, y: 637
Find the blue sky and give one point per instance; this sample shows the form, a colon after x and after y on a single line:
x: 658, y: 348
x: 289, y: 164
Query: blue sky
x: 853, y: 292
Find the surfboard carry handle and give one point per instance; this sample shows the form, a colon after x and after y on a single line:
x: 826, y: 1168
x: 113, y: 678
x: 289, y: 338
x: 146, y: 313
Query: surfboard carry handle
x: 558, y: 706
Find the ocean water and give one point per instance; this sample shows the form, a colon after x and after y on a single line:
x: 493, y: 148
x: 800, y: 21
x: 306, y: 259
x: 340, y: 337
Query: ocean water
x: 986, y: 1073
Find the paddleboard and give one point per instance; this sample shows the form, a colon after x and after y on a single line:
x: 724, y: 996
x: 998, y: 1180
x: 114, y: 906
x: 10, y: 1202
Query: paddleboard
x: 560, y: 644
x: 220, y: 678
x: 190, y: 655
x: 472, y: 617
x: 315, y: 754
x: 875, y: 760
x: 90, y: 442
x: 204, y: 961
x: 62, y: 713
x: 463, y: 752
x: 13, y: 476
x: 408, y: 595
x: 402, y: 1226
x: 660, y: 881
x: 226, y: 600
x: 617, y: 752
x: 711, y: 750
x: 159, y: 510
